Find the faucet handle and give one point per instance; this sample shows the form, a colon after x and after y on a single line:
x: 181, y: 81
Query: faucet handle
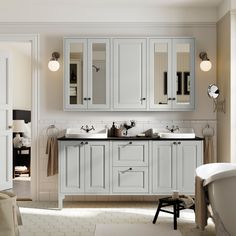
x: 132, y: 123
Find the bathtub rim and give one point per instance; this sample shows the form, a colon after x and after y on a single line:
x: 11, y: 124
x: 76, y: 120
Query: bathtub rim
x: 219, y: 176
x: 215, y: 171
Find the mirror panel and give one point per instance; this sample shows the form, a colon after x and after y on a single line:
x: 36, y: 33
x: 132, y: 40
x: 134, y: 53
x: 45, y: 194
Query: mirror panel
x: 160, y: 73
x: 183, y: 68
x: 76, y: 73
x: 99, y: 73
x: 213, y: 91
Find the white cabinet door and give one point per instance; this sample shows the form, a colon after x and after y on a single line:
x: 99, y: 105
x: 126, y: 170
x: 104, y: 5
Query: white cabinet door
x: 129, y: 67
x: 160, y: 52
x: 183, y: 74
x: 171, y: 64
x: 130, y: 179
x: 130, y: 153
x: 174, y: 163
x: 97, y: 167
x: 5, y: 123
x: 164, y: 167
x: 75, y: 74
x: 86, y: 74
x: 190, y: 156
x: 98, y: 74
x: 71, y: 167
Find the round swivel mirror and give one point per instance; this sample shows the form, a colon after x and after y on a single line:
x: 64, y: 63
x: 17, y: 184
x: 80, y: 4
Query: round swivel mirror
x: 213, y: 91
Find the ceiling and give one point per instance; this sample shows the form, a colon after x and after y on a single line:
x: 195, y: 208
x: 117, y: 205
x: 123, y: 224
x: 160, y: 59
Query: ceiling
x: 149, y: 3
x: 122, y: 3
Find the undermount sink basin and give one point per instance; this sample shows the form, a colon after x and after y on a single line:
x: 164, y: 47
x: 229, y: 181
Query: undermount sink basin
x: 78, y: 133
x: 182, y: 133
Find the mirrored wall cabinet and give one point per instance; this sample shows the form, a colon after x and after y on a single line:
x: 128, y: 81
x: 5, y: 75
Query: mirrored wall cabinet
x: 86, y: 74
x: 122, y: 79
x: 171, y: 74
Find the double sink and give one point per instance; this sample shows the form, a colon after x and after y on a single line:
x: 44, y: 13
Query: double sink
x: 181, y: 133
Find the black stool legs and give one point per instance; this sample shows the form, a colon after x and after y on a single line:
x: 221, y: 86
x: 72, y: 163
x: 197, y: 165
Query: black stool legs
x: 169, y: 202
x: 157, y: 213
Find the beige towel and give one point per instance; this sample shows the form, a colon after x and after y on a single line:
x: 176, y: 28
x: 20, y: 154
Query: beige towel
x: 187, y: 201
x: 10, y: 216
x: 52, y: 151
x: 208, y: 150
x: 201, y: 213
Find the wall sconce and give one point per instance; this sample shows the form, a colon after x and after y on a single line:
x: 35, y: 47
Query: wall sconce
x: 53, y: 64
x: 205, y: 64
x: 214, y: 92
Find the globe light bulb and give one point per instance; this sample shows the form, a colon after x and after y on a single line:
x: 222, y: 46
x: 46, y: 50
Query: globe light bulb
x: 53, y: 65
x: 205, y: 65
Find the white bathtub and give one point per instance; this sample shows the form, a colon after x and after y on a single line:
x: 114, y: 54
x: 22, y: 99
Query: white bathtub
x: 220, y: 180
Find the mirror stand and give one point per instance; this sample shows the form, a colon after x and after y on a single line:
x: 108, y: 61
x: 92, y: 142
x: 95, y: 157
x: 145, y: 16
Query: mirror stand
x: 219, y: 106
x: 214, y: 92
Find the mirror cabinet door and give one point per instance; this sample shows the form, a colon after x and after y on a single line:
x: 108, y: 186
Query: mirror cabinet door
x: 75, y: 69
x: 76, y: 73
x: 98, y: 64
x: 160, y: 61
x: 183, y: 68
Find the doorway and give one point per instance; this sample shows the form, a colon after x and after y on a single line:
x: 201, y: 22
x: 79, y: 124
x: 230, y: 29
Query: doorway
x: 21, y: 170
x: 20, y: 77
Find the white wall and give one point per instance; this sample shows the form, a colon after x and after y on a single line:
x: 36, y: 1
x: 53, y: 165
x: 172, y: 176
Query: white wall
x: 20, y: 64
x: 51, y: 100
x: 104, y: 11
x: 51, y: 83
x: 51, y: 86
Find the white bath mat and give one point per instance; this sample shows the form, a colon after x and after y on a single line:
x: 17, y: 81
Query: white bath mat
x: 135, y: 230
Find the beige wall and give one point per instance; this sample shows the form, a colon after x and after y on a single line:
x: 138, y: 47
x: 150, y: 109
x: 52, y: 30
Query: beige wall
x: 223, y: 81
x: 233, y: 85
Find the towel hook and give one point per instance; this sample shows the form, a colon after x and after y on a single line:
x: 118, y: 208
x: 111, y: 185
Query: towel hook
x: 52, y: 131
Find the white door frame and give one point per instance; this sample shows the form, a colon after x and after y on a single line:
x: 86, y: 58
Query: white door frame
x: 34, y: 40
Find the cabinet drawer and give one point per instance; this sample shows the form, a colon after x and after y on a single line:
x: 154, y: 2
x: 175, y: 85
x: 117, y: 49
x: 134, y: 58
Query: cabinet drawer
x: 130, y: 179
x: 130, y: 153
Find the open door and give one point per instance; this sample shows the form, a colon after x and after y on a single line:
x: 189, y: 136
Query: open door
x: 5, y: 123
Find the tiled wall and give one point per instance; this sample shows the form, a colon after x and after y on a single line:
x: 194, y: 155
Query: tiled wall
x: 48, y: 185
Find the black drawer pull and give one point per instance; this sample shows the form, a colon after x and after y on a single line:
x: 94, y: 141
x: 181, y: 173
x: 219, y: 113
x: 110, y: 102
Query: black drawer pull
x: 124, y: 171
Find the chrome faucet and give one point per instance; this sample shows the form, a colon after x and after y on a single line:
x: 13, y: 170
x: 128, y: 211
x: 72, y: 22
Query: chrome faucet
x: 173, y: 128
x: 87, y: 129
x: 127, y: 127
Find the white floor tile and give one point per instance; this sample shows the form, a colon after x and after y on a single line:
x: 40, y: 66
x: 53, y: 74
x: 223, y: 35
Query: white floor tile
x: 80, y: 218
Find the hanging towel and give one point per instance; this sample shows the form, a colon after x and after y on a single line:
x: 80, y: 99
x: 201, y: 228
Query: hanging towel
x: 208, y: 133
x: 52, y: 151
x: 201, y: 212
x: 208, y: 150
